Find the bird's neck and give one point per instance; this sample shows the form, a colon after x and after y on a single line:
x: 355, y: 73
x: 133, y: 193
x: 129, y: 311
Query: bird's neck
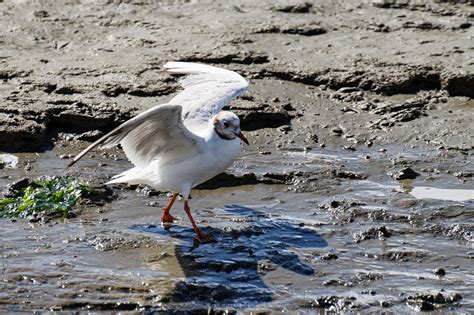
x: 222, y: 135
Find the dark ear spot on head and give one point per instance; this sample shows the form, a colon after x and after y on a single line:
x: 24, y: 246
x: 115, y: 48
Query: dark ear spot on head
x: 216, y: 121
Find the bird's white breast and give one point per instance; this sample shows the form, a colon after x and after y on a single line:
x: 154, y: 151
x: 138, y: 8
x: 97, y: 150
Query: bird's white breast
x: 214, y: 157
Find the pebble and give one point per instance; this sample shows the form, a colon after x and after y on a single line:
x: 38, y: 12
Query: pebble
x: 405, y: 173
x: 329, y: 256
x: 8, y: 161
x: 455, y: 297
x: 439, y: 298
x: 337, y: 131
x: 285, y: 128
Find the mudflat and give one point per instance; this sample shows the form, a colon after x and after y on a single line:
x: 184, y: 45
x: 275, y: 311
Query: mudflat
x: 356, y: 193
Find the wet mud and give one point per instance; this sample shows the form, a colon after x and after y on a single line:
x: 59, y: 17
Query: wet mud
x: 356, y: 193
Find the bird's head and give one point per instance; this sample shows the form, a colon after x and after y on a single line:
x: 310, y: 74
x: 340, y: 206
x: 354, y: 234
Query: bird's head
x: 227, y: 126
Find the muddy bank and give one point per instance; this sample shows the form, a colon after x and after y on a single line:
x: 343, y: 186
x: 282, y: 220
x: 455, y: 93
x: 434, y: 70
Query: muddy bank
x: 93, y: 66
x: 355, y: 194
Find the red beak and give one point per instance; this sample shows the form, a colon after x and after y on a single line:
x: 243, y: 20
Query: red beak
x: 242, y: 137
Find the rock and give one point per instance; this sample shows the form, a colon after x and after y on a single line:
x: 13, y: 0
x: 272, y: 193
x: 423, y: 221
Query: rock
x: 455, y: 298
x: 313, y: 138
x: 337, y: 131
x: 12, y: 189
x: 334, y: 303
x: 421, y: 305
x: 331, y: 282
x: 335, y: 204
x: 426, y: 302
x: 284, y: 129
x: 371, y: 233
x: 363, y: 277
x: 329, y: 256
x: 8, y: 161
x: 405, y: 173
x: 438, y: 298
x: 464, y: 174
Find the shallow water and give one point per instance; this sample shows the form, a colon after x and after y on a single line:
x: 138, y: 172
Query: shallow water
x: 275, y: 249
x: 442, y: 194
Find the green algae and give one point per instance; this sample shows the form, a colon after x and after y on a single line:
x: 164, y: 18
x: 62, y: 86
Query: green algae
x: 46, y: 194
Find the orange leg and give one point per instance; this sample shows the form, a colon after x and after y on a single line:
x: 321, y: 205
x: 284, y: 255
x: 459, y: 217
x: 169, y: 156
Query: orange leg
x: 200, y: 236
x: 166, y: 217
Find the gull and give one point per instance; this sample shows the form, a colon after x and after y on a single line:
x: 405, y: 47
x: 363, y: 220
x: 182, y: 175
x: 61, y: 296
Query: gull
x: 185, y: 142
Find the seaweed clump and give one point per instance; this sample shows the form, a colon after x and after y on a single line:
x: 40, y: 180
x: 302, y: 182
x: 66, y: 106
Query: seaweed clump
x: 45, y: 195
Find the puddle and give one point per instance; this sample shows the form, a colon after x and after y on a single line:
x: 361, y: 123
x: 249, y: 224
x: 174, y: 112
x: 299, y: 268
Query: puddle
x: 442, y: 194
x: 274, y: 249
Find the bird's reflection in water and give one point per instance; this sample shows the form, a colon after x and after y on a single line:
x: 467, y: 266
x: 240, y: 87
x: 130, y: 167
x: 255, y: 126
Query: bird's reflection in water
x: 227, y: 271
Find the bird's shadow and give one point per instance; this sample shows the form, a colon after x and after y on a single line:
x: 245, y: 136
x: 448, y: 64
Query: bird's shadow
x: 228, y: 271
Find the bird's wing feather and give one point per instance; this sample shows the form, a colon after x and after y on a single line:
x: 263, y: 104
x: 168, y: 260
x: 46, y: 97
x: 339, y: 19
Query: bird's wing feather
x: 207, y: 89
x: 157, y: 133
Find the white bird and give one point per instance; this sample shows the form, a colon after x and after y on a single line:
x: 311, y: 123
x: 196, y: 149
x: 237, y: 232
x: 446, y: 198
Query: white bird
x: 183, y: 143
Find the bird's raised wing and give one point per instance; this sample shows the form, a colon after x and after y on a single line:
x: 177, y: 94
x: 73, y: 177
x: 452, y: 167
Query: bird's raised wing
x: 207, y: 89
x: 156, y: 134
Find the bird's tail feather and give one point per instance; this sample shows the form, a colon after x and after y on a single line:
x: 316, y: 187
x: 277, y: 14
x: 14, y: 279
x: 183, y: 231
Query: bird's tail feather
x: 133, y: 176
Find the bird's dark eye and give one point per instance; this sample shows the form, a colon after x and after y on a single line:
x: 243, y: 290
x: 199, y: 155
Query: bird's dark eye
x: 226, y: 124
